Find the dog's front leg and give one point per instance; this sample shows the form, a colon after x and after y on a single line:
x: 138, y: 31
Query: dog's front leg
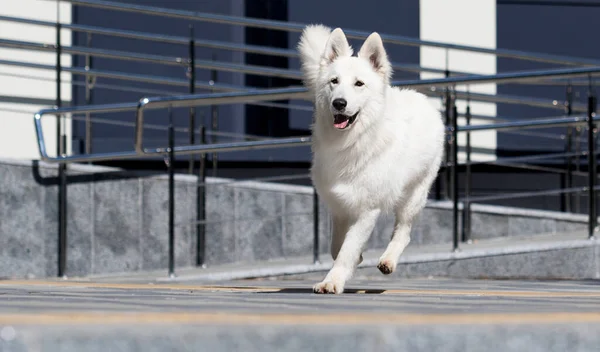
x: 349, y: 255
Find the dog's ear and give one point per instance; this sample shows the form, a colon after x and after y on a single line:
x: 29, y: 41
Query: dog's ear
x: 373, y: 51
x: 337, y: 46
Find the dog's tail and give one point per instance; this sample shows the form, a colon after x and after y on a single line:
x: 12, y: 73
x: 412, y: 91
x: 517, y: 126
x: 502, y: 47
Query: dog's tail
x: 311, y: 47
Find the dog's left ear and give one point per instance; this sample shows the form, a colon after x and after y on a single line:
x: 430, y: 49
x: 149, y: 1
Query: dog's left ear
x: 373, y: 51
x: 337, y: 46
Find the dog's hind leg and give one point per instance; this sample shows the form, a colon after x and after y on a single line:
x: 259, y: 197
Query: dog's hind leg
x: 405, y: 215
x: 350, y: 253
x: 400, y: 239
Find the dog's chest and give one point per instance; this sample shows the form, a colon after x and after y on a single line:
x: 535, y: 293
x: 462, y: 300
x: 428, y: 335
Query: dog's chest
x: 373, y: 184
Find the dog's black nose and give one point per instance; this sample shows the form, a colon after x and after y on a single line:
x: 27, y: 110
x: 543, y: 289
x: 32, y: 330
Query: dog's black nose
x: 339, y: 104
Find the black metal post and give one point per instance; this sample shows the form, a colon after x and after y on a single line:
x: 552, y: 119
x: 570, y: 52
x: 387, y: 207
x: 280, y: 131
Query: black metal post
x: 214, y: 113
x: 192, y: 89
x: 438, y: 188
x: 466, y: 218
x: 592, y: 221
x: 454, y: 143
x: 567, y: 198
x: 316, y: 258
x: 578, y: 139
x: 201, y: 206
x: 62, y: 167
x: 447, y: 146
x: 88, y: 98
x: 171, y: 166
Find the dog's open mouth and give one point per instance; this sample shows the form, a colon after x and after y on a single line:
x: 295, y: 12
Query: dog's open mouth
x: 341, y: 121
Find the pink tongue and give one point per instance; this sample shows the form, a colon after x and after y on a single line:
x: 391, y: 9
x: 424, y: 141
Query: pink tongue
x: 341, y: 125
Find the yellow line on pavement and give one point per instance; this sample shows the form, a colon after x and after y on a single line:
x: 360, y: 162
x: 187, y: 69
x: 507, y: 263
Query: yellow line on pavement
x: 254, y: 289
x: 124, y: 286
x: 329, y: 318
x: 485, y: 293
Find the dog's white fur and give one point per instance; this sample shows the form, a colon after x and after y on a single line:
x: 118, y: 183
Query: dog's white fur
x: 386, y: 161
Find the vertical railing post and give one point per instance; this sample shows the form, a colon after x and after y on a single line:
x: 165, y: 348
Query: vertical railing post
x: 578, y: 152
x: 61, y: 146
x: 466, y: 218
x: 192, y: 89
x: 201, y: 179
x: 448, y: 122
x: 201, y: 206
x: 454, y: 179
x: 214, y: 113
x: 437, y: 188
x: 567, y: 198
x: 316, y: 237
x: 591, y: 112
x: 171, y: 166
x: 316, y: 251
x: 89, y: 86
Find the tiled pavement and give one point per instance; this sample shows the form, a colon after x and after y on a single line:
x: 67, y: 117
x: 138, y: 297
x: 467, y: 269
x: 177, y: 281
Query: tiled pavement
x: 284, y: 315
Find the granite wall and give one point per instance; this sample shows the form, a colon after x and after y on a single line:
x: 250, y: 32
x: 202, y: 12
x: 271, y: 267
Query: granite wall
x: 117, y: 221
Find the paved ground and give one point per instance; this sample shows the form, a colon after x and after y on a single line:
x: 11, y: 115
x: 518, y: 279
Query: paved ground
x: 283, y: 315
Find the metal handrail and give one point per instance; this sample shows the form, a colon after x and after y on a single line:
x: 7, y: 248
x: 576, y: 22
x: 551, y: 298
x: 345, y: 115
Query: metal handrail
x: 157, y: 103
x: 298, y: 27
x: 532, y: 123
x: 506, y: 99
x: 163, y: 38
x: 126, y: 76
x: 296, y: 93
x: 285, y: 93
x: 497, y: 98
x: 234, y: 68
x: 197, y: 42
x: 129, y: 107
x: 214, y: 44
x: 216, y: 99
x: 501, y: 78
x: 207, y: 85
x: 514, y: 195
x: 158, y: 59
x: 183, y: 62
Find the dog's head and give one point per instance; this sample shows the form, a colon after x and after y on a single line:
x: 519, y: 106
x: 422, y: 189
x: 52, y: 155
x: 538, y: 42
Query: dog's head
x: 353, y: 88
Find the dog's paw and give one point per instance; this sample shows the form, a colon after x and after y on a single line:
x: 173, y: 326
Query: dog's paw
x: 330, y: 287
x: 386, y: 266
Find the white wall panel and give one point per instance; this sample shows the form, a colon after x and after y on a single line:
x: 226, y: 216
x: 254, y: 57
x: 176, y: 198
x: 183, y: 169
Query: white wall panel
x: 17, y: 135
x: 467, y: 22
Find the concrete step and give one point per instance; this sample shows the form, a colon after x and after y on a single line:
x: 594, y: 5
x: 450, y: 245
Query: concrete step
x: 566, y: 255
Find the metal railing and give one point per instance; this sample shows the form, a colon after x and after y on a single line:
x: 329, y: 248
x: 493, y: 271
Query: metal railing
x: 299, y: 93
x: 191, y: 63
x: 283, y: 94
x: 298, y: 27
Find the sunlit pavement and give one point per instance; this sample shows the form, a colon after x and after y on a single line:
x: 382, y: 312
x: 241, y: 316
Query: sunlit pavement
x: 248, y: 315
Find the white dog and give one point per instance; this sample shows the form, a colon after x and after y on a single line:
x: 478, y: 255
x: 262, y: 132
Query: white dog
x: 375, y: 148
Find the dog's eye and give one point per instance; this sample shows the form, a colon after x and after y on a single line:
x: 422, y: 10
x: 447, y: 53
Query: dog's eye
x: 359, y: 83
x: 334, y: 81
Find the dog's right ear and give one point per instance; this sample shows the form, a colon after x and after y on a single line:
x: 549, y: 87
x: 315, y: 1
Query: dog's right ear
x: 337, y: 46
